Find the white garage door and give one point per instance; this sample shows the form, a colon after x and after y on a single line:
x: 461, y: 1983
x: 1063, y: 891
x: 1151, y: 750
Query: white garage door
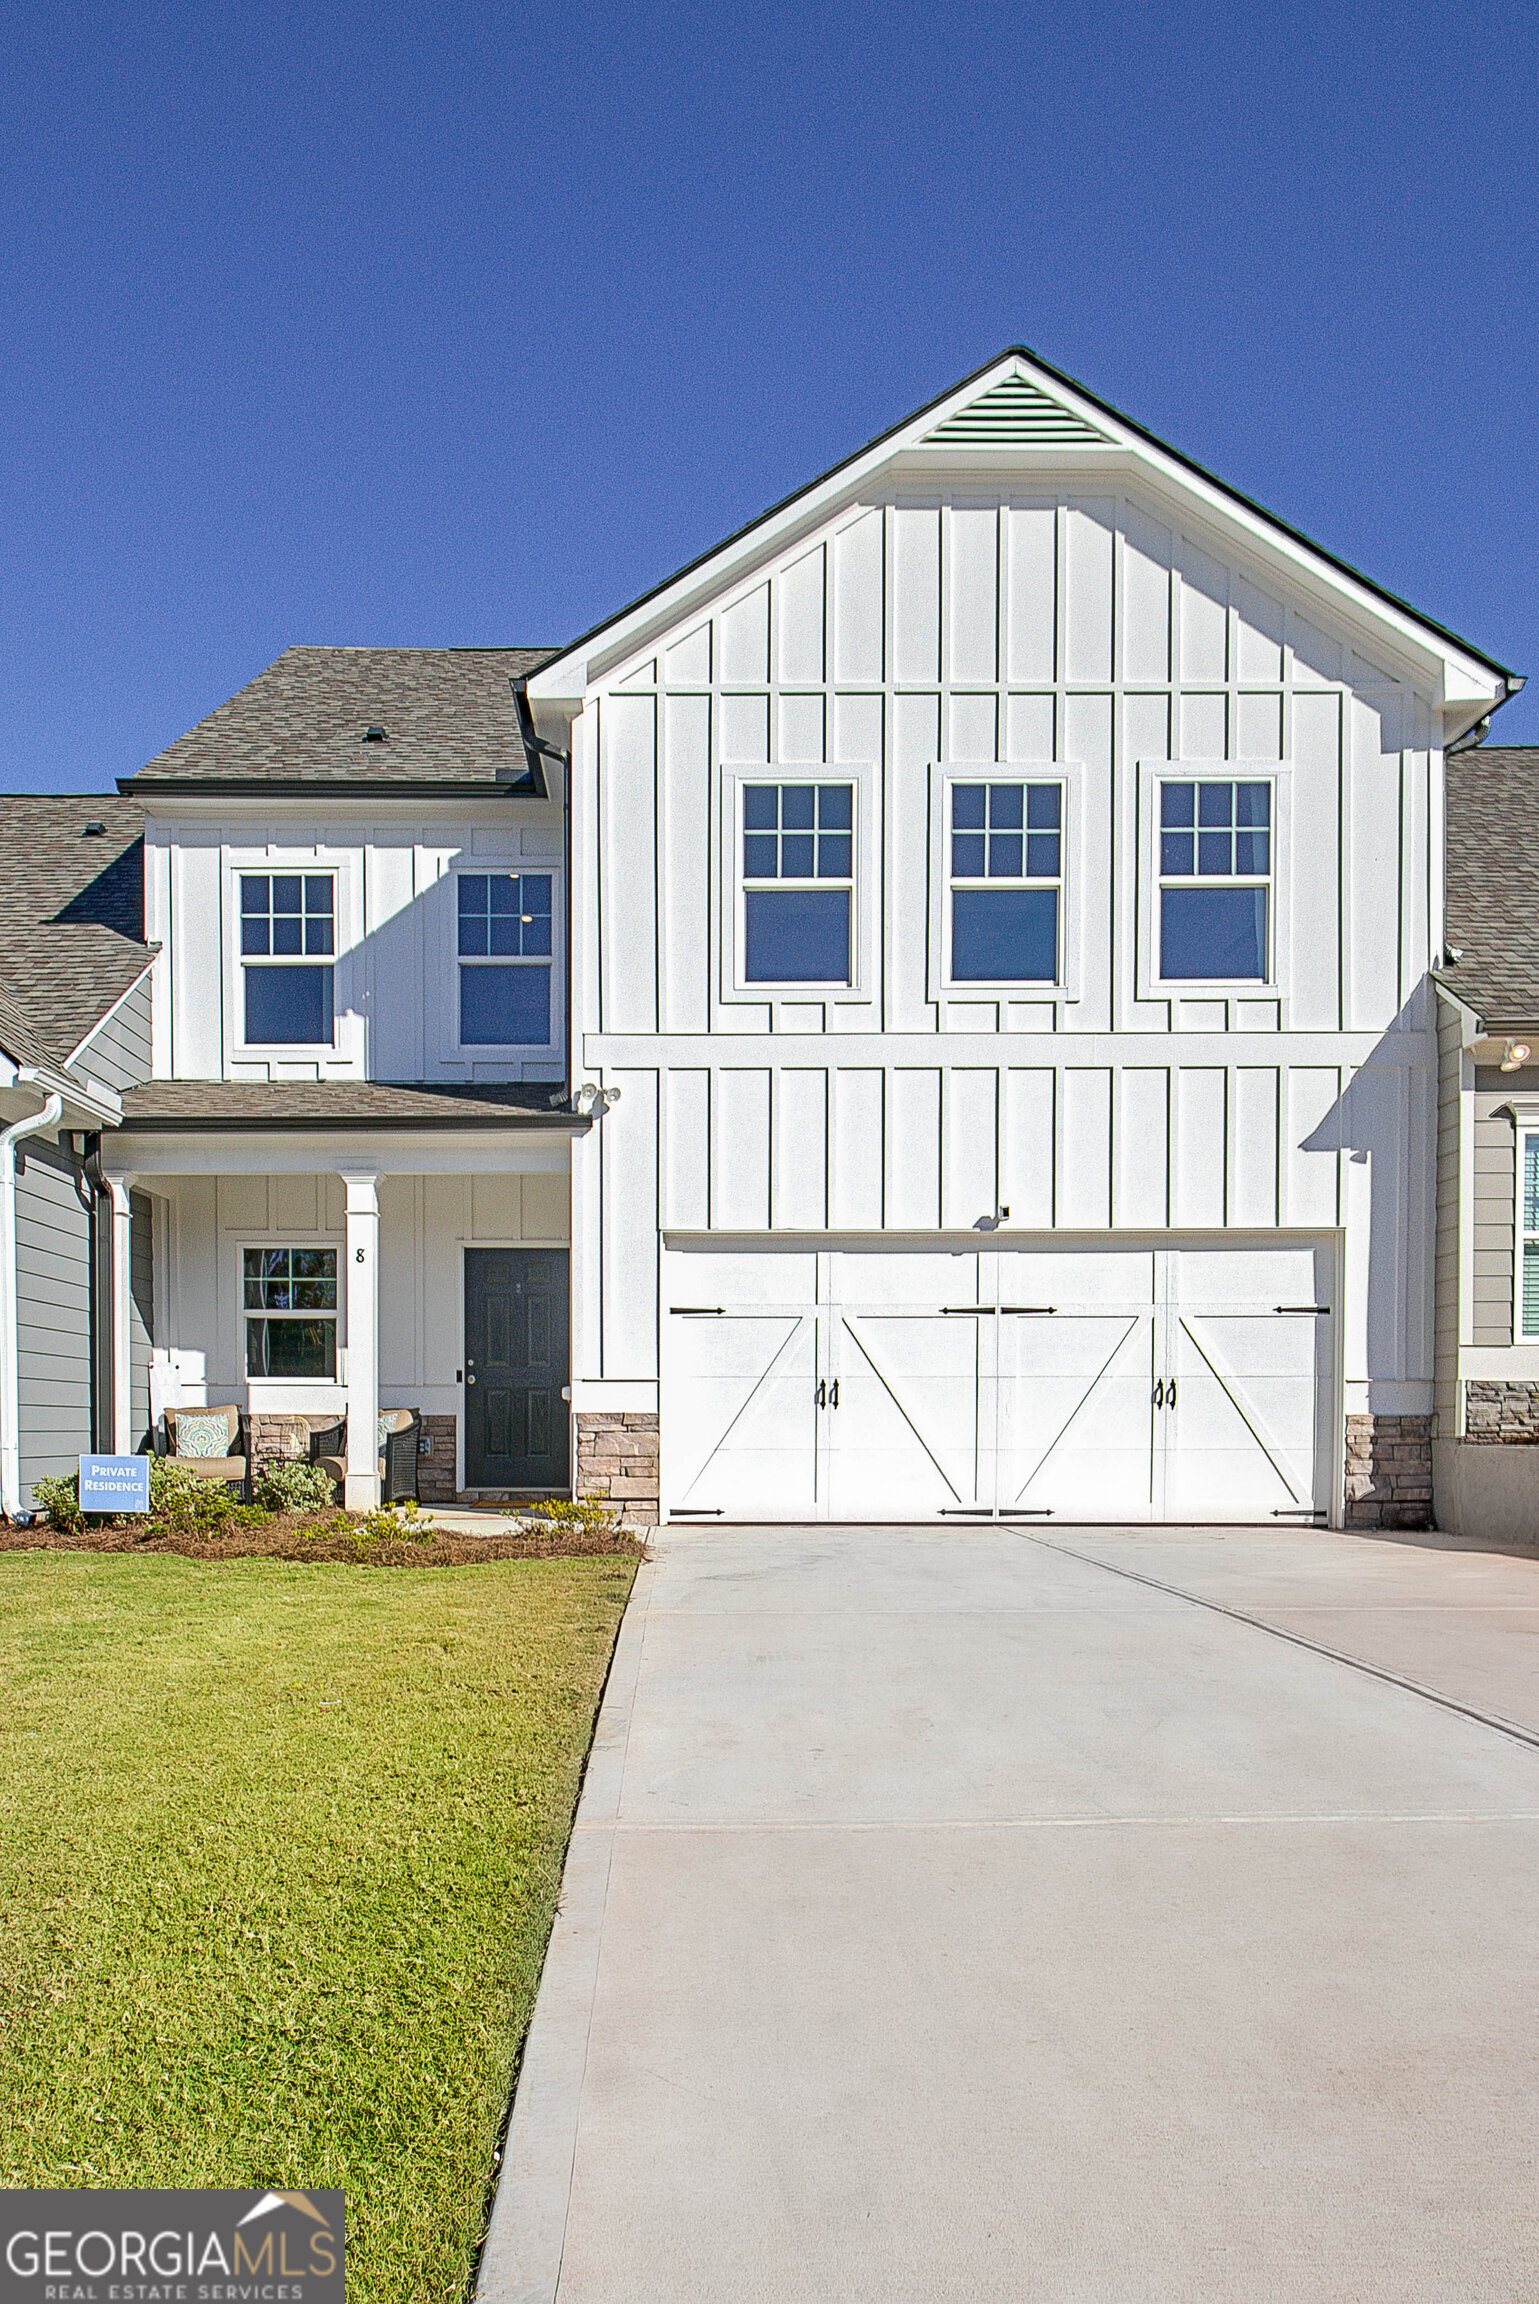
x: 1117, y: 1383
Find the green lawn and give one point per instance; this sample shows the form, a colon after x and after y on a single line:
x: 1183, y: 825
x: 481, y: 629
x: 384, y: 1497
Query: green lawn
x: 279, y: 1854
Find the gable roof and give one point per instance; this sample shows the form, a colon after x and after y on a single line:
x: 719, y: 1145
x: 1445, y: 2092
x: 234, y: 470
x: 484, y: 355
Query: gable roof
x: 71, y: 914
x: 1491, y: 903
x: 449, y: 714
x: 1025, y: 405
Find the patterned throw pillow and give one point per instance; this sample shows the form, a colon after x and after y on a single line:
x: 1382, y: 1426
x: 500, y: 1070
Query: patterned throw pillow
x: 202, y: 1435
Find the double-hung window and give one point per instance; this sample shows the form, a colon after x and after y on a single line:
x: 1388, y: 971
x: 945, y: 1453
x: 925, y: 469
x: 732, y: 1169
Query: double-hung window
x: 1528, y: 1219
x: 798, y: 883
x: 290, y: 1304
x: 505, y: 949
x: 287, y: 946
x: 1006, y: 882
x: 1216, y: 879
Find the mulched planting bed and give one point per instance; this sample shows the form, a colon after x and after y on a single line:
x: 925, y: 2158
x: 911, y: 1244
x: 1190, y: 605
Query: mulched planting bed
x: 294, y: 1537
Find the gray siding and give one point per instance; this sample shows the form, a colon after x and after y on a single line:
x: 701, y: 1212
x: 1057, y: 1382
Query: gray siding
x: 1445, y: 1348
x: 53, y: 1292
x: 1495, y: 1208
x: 141, y: 1311
x: 118, y: 1052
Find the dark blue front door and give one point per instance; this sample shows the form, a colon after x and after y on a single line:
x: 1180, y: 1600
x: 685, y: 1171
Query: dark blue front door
x: 515, y: 1368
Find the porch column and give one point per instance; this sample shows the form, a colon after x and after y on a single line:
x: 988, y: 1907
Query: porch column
x: 121, y: 1423
x: 361, y: 1490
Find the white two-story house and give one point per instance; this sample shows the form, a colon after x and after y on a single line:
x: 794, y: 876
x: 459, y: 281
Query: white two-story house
x: 927, y: 1014
x: 1006, y: 879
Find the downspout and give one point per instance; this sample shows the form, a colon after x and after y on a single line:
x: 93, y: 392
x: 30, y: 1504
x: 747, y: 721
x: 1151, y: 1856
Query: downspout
x: 536, y: 752
x: 10, y: 1359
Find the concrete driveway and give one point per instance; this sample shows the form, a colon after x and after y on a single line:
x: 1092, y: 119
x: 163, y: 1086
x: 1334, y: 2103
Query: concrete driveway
x: 964, y: 1915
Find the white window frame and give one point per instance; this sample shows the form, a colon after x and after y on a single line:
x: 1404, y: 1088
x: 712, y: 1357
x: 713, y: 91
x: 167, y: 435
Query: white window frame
x: 1069, y: 775
x: 735, y: 987
x: 1525, y: 1114
x: 505, y: 1053
x: 263, y: 1391
x: 341, y: 1052
x: 1151, y: 775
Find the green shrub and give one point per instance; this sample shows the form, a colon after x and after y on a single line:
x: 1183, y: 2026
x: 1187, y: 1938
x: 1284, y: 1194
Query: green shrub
x: 60, y: 1500
x: 586, y: 1512
x: 290, y: 1485
x: 393, y: 1524
x: 183, y: 1501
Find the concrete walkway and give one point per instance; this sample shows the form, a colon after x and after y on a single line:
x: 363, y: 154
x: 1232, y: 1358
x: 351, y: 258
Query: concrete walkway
x: 953, y: 1917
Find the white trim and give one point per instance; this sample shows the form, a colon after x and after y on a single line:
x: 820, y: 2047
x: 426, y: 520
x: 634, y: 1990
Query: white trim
x: 1464, y: 687
x: 263, y: 1392
x: 509, y: 1054
x: 119, y: 1190
x: 1525, y: 1114
x: 35, y: 1124
x: 343, y: 1053
x: 733, y: 987
x: 1070, y: 777
x: 1151, y: 985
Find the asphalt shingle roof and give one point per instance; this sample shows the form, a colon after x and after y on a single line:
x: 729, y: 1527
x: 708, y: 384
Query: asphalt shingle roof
x: 71, y: 912
x: 448, y: 715
x: 337, y: 1103
x: 1493, y: 881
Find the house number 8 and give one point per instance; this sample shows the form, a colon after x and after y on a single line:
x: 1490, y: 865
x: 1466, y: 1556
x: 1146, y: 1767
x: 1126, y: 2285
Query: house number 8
x: 357, y: 1255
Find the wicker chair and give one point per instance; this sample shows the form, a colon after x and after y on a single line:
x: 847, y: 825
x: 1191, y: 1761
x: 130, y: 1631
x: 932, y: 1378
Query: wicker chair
x: 401, y: 1430
x: 233, y: 1468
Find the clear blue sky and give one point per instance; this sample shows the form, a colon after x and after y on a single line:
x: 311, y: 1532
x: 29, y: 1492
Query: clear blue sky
x: 466, y: 324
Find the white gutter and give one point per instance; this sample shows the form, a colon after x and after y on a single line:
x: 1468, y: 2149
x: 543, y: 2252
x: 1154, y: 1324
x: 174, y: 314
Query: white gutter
x: 10, y: 1372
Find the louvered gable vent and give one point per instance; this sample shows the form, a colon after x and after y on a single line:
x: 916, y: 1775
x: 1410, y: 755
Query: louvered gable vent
x: 1013, y: 414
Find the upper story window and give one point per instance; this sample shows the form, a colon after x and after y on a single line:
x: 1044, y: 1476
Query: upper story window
x: 287, y: 944
x: 1216, y: 863
x: 505, y: 948
x: 798, y: 883
x: 1006, y: 882
x: 290, y: 1297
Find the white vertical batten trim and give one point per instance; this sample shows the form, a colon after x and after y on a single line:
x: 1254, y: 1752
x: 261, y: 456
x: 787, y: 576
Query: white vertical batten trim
x: 10, y: 1359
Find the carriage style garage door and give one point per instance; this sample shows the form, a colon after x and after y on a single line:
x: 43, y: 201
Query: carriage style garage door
x: 1096, y: 1383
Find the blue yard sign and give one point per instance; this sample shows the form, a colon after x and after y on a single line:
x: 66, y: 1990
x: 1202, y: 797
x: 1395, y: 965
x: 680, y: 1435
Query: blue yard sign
x: 114, y: 1483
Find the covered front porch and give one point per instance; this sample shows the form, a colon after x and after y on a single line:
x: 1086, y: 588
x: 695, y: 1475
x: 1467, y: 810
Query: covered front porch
x: 313, y: 1277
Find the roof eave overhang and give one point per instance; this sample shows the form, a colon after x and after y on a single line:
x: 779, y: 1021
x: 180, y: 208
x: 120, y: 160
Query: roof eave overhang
x: 86, y: 1105
x: 1462, y: 683
x: 182, y: 790
x: 458, y: 1123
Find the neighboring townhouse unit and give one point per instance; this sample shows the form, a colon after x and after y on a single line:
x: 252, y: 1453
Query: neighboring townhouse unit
x: 74, y: 1034
x: 1488, y: 1150
x: 356, y: 1140
x: 960, y: 1039
x: 1006, y: 880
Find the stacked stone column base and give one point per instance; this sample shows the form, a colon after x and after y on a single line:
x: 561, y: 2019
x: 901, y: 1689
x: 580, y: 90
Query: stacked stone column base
x: 1389, y: 1472
x: 617, y: 1463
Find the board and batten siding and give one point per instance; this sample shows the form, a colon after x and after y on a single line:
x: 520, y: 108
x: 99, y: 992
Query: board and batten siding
x: 423, y: 1223
x: 396, y: 980
x: 53, y: 1316
x: 1028, y: 628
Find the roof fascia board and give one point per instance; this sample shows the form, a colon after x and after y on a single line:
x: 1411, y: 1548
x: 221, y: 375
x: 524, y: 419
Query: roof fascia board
x: 156, y: 1150
x: 1469, y: 677
x: 181, y: 789
x: 204, y: 807
x: 565, y: 679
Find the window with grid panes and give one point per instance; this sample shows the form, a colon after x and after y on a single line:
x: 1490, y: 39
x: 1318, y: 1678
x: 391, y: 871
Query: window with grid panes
x: 1006, y: 882
x: 287, y: 943
x: 290, y: 1300
x: 505, y: 945
x: 1215, y: 866
x: 1529, y: 1258
x: 798, y: 883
